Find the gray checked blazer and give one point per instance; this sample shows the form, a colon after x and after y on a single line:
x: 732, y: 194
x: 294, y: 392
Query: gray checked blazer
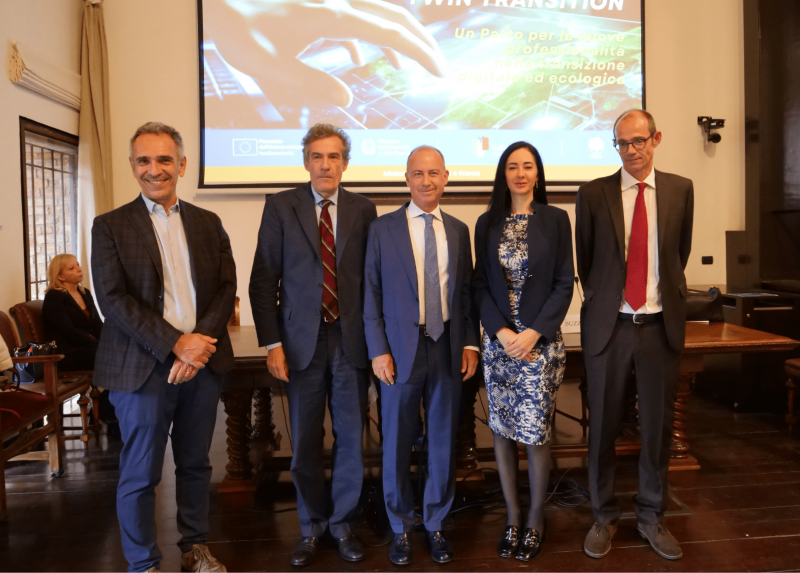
x: 129, y: 283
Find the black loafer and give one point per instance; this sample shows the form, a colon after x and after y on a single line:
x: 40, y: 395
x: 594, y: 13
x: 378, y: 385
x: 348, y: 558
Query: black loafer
x: 305, y: 551
x: 531, y: 543
x: 509, y: 543
x: 400, y: 549
x: 350, y: 548
x: 440, y: 547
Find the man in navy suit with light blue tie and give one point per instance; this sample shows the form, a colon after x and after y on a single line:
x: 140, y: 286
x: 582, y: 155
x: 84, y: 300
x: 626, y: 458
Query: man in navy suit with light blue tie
x: 423, y: 343
x: 307, y: 293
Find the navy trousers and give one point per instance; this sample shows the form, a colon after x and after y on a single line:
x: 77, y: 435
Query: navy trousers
x: 330, y: 379
x: 644, y: 348
x: 145, y: 418
x: 433, y: 383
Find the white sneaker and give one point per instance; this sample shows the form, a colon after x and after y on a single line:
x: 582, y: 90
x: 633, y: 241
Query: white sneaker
x: 200, y: 559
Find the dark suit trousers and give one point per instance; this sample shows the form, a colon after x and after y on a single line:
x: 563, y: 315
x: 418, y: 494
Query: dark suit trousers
x: 645, y: 349
x: 145, y: 419
x: 332, y: 379
x: 431, y: 381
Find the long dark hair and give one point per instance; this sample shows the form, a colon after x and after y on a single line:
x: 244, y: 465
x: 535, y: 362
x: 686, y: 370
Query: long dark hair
x: 500, y: 200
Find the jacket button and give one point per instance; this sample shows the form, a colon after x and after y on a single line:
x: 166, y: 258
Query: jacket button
x: 416, y: 324
x: 319, y: 312
x: 319, y: 285
x: 160, y: 297
x: 619, y: 297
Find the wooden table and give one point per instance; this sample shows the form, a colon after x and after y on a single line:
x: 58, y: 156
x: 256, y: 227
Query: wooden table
x: 701, y: 338
x: 251, y: 385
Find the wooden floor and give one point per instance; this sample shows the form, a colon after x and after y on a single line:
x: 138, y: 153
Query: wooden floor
x: 740, y: 512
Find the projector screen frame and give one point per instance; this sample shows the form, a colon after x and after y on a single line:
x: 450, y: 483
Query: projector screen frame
x: 457, y: 190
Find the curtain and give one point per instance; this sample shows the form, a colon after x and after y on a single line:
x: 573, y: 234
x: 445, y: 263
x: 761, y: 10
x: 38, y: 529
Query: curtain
x: 95, y: 194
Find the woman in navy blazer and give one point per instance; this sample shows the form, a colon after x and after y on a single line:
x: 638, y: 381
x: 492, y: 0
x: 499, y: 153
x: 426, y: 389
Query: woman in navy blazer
x: 523, y: 284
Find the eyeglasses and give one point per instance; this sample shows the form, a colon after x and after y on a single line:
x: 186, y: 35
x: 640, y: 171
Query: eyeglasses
x: 638, y: 144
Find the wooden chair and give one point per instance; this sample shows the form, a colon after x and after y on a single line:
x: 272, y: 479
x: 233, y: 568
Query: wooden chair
x: 20, y: 409
x: 72, y: 383
x: 792, y: 368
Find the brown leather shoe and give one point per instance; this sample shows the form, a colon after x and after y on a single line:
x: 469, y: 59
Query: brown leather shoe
x: 660, y: 540
x: 598, y: 540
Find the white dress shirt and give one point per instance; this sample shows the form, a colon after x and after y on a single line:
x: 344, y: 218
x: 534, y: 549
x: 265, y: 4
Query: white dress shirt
x: 629, y: 192
x: 334, y: 213
x: 180, y: 297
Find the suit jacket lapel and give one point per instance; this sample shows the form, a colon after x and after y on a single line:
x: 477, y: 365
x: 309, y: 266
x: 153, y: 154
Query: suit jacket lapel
x: 662, y: 208
x: 452, y: 252
x: 141, y: 222
x: 307, y: 215
x: 613, y: 194
x: 536, y: 240
x: 402, y: 242
x: 344, y: 222
x: 191, y: 231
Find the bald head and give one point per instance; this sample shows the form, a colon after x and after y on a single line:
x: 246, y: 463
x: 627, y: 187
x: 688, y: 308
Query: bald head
x: 421, y: 148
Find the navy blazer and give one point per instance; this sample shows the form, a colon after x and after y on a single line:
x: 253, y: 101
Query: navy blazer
x: 288, y: 268
x: 391, y: 304
x: 547, y: 292
x: 129, y: 283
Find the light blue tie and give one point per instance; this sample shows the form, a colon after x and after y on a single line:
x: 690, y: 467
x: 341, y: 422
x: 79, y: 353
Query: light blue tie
x: 434, y: 326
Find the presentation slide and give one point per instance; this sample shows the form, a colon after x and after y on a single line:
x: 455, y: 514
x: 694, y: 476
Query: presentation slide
x: 469, y: 77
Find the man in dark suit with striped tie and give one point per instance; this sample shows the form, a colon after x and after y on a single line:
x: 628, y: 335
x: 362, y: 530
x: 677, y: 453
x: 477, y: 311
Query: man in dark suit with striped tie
x: 306, y: 290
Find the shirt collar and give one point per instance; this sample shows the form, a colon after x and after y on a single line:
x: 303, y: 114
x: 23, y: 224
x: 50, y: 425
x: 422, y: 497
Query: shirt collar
x: 151, y: 205
x: 317, y: 197
x: 629, y: 180
x: 415, y: 211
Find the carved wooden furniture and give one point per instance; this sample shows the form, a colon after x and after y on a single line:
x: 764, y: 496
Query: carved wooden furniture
x: 250, y: 381
x: 247, y: 398
x: 20, y: 409
x: 73, y: 383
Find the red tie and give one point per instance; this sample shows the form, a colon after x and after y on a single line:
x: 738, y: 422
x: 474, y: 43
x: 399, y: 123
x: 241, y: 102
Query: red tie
x: 330, y: 298
x: 636, y: 280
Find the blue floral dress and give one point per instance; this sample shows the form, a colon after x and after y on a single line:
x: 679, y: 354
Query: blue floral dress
x: 522, y: 395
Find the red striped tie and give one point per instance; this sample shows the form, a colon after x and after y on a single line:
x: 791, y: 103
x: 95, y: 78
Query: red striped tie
x: 330, y: 296
x: 636, y: 279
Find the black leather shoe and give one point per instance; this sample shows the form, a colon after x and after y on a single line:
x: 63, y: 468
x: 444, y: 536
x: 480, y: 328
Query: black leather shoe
x: 441, y: 549
x: 531, y: 543
x: 509, y: 543
x: 350, y: 548
x: 400, y: 550
x: 305, y: 551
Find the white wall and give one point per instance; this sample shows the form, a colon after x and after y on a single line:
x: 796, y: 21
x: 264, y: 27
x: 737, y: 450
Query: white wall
x: 692, y: 67
x: 52, y: 27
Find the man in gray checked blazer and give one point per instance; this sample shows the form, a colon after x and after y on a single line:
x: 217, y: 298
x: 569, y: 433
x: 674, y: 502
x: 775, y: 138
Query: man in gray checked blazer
x: 165, y: 281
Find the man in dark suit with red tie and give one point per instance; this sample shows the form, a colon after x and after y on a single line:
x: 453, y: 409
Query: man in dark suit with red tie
x: 633, y: 237
x: 306, y: 290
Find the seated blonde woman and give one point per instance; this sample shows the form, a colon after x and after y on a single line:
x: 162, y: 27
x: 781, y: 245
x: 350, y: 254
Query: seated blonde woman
x: 69, y: 314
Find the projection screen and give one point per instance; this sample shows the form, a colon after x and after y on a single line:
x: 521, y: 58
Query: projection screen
x: 469, y: 77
